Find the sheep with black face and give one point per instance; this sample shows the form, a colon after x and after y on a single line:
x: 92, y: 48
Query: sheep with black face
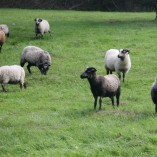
x: 102, y: 86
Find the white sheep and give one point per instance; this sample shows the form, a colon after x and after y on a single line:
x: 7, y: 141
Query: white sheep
x: 5, y: 29
x: 12, y: 75
x: 35, y: 56
x: 41, y: 26
x: 119, y: 61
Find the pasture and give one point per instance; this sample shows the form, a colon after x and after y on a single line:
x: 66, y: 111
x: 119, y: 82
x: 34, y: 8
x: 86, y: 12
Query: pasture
x: 54, y: 116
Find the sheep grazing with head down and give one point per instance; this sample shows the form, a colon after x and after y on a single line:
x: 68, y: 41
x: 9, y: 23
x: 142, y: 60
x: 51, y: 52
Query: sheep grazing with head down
x: 5, y: 29
x: 119, y: 61
x: 12, y: 75
x: 154, y: 94
x: 41, y: 26
x: 2, y: 38
x: 35, y: 56
x: 102, y: 86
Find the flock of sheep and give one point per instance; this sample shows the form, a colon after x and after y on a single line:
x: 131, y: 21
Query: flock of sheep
x: 32, y: 55
x: 109, y: 85
x: 101, y: 86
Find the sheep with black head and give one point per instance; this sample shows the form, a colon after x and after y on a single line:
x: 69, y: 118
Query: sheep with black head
x: 102, y: 86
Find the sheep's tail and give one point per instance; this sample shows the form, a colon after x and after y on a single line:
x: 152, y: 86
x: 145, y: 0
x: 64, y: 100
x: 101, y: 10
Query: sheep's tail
x: 22, y: 61
x: 22, y: 79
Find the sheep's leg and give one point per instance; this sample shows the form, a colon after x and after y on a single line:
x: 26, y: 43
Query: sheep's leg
x: 107, y: 71
x: 95, y: 102
x: 49, y: 32
x: 117, y: 96
x: 123, y: 76
x: 119, y: 75
x: 112, y: 99
x: 110, y: 71
x: 3, y: 87
x: 28, y: 67
x: 100, y: 102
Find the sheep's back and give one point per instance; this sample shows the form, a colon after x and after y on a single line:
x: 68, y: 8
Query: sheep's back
x: 11, y: 73
x: 110, y: 58
x: 5, y: 28
x: 31, y: 54
x: 44, y: 26
x: 2, y: 37
x: 112, y: 82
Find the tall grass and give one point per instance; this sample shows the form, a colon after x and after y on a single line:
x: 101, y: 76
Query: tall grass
x: 54, y: 116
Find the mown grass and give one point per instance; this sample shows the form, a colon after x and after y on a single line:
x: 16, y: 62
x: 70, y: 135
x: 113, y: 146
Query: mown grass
x: 54, y: 116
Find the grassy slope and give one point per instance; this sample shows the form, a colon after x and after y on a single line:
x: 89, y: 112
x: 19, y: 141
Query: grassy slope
x: 54, y: 116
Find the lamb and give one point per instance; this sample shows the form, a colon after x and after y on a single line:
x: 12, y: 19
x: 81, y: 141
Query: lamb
x: 5, y: 29
x: 41, y: 26
x: 119, y: 61
x: 102, y: 86
x: 153, y: 93
x: 35, y: 56
x: 12, y: 75
x: 2, y: 39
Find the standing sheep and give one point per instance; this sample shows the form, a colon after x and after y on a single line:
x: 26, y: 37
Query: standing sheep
x: 41, y: 26
x: 118, y: 60
x: 35, y: 56
x: 5, y: 29
x: 102, y: 86
x: 154, y: 94
x: 12, y: 75
x: 2, y: 39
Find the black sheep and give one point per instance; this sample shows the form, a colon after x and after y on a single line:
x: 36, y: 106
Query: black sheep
x: 102, y: 86
x: 154, y: 94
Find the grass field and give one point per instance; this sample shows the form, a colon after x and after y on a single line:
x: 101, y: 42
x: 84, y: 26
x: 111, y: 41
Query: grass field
x: 54, y: 116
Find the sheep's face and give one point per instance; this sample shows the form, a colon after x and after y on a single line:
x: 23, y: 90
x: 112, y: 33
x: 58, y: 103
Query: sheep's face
x: 37, y: 21
x: 88, y: 73
x: 123, y: 53
x: 44, y: 68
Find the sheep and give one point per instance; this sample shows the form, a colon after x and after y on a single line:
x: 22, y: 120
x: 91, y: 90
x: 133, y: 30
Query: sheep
x: 2, y: 39
x: 117, y: 60
x: 12, y: 75
x: 102, y: 86
x: 41, y: 26
x: 35, y: 56
x: 153, y: 93
x: 5, y: 29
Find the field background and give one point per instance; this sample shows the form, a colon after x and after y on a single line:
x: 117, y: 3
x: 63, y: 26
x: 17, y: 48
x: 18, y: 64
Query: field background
x: 54, y: 116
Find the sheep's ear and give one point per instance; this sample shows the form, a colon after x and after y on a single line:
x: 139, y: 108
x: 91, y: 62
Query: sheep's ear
x: 93, y: 70
x: 128, y: 51
x: 35, y: 19
x: 40, y: 20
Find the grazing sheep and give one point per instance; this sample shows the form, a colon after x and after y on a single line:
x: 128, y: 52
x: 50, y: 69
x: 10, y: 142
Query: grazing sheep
x: 117, y: 60
x: 12, y: 75
x: 154, y: 94
x: 5, y: 29
x: 41, y: 26
x: 35, y: 56
x: 2, y: 39
x: 102, y: 86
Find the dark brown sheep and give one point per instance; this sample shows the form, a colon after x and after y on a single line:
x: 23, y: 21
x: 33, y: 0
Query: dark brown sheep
x: 102, y: 86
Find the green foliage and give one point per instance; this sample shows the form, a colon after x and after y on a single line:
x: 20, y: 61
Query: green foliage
x: 54, y: 116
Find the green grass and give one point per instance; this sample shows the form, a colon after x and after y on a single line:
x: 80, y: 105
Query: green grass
x: 54, y: 116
